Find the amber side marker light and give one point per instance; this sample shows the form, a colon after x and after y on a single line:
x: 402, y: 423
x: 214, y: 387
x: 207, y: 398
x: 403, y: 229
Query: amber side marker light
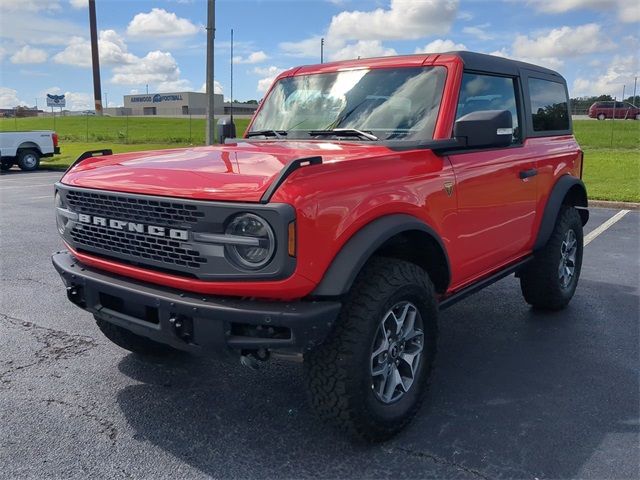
x: 292, y: 239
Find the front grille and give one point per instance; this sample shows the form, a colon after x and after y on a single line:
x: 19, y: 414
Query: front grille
x: 138, y: 245
x: 156, y: 212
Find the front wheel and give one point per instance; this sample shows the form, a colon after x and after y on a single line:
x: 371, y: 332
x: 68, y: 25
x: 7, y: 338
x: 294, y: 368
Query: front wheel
x: 601, y: 116
x: 370, y: 376
x: 550, y: 280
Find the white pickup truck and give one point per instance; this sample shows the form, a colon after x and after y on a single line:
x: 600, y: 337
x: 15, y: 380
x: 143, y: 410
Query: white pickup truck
x: 26, y: 148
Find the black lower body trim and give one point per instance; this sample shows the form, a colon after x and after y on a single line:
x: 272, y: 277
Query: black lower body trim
x: 476, y: 287
x: 197, y: 323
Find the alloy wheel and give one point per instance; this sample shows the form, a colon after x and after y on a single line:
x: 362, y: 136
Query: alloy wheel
x: 396, y: 352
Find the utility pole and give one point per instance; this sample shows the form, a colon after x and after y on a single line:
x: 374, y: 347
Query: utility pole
x: 231, y: 109
x: 211, y: 35
x: 106, y: 99
x: 147, y: 86
x: 322, y: 50
x: 635, y: 83
x: 95, y: 58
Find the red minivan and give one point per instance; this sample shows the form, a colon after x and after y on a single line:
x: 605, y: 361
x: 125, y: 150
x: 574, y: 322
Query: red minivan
x: 623, y: 110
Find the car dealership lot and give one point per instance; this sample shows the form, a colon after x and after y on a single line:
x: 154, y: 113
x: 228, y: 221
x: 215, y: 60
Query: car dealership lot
x: 515, y: 393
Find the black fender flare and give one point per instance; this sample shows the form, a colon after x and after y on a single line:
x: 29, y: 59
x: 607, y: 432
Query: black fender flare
x: 346, y: 265
x: 566, y: 185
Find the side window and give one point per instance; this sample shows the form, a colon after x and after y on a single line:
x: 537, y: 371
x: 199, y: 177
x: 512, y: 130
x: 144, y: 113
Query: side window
x: 486, y: 92
x: 549, y: 105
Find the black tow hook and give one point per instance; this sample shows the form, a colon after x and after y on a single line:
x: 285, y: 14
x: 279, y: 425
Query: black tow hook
x: 75, y: 296
x: 182, y: 327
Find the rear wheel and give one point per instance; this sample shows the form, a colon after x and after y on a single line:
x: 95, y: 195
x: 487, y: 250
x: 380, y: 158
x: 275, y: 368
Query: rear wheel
x: 370, y: 376
x: 601, y: 116
x: 134, y: 343
x: 6, y: 164
x: 28, y: 160
x: 550, y: 281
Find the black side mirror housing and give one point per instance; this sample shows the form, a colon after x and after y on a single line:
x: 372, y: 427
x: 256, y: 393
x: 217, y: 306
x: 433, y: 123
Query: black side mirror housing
x: 484, y: 128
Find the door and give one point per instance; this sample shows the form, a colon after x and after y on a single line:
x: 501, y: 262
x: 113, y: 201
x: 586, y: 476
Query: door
x: 496, y: 188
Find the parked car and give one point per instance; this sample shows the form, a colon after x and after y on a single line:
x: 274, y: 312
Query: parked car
x: 366, y: 196
x: 26, y: 148
x: 623, y: 110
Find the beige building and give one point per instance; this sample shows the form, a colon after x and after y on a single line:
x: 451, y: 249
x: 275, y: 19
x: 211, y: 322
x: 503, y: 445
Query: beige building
x: 171, y: 104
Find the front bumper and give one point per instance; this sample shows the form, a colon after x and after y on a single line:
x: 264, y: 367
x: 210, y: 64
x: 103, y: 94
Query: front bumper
x: 196, y: 323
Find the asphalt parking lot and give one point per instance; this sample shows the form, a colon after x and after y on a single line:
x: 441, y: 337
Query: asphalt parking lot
x: 515, y: 394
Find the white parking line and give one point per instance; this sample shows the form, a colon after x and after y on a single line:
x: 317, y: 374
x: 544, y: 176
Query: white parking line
x: 602, y: 228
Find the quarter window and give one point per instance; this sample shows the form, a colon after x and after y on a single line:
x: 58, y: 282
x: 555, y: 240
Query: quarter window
x: 549, y: 105
x: 487, y: 92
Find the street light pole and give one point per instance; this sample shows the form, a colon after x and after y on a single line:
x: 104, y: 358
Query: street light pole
x: 211, y: 35
x: 95, y: 57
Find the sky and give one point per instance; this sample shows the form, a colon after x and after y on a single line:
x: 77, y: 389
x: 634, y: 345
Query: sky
x: 44, y: 44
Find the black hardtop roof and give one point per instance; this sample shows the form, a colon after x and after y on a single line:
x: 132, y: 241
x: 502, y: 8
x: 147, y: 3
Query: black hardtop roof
x: 501, y: 65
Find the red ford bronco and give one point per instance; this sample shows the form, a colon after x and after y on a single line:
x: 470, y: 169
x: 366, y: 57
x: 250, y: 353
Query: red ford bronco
x: 365, y: 196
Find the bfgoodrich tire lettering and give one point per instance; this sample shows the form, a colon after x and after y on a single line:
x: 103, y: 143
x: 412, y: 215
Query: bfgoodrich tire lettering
x: 339, y: 372
x: 550, y: 280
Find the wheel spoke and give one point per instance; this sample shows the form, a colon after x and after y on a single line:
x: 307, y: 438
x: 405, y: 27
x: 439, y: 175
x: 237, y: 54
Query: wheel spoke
x: 391, y: 383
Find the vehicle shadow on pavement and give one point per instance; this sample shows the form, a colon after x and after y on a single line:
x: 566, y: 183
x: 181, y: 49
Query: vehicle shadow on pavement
x: 515, y: 393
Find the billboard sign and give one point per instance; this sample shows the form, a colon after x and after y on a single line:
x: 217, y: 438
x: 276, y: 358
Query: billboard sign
x: 56, y: 100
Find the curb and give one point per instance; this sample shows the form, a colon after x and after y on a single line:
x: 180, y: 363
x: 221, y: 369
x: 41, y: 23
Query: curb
x: 608, y: 204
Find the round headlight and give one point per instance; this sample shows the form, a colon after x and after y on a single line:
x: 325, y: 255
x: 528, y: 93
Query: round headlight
x: 255, y: 243
x: 61, y: 220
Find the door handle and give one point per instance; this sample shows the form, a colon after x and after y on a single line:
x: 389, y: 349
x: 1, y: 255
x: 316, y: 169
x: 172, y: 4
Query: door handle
x: 532, y: 172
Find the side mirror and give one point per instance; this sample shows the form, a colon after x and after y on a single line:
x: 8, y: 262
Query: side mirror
x: 484, y: 128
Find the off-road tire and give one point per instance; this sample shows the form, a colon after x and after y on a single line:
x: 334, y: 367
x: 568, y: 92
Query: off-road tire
x: 134, y: 343
x: 26, y: 160
x: 540, y: 282
x: 338, y: 372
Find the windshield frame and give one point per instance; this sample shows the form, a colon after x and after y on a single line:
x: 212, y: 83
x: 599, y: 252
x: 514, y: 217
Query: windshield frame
x: 424, y: 135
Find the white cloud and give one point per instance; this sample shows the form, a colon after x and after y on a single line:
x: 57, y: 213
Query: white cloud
x: 160, y: 23
x: 180, y: 85
x: 362, y: 49
x: 155, y: 67
x: 253, y: 57
x: 621, y: 71
x: 23, y: 27
x: 439, y: 46
x: 478, y: 31
x: 9, y: 98
x: 563, y: 42
x: 28, y: 54
x: 113, y: 51
x: 217, y: 87
x: 79, y: 101
x: 628, y: 11
x: 30, y: 5
x: 268, y: 76
x: 404, y: 19
x: 309, y: 47
x: 79, y: 3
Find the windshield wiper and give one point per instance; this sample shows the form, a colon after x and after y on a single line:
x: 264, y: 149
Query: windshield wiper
x: 267, y: 133
x: 344, y: 132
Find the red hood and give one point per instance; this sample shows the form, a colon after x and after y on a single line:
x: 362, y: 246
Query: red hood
x: 234, y: 172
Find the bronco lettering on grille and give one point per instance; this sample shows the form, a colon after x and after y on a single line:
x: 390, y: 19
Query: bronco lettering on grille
x: 173, y: 233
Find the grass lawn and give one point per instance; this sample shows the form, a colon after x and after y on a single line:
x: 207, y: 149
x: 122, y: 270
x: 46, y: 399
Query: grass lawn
x: 611, y: 162
x: 611, y: 169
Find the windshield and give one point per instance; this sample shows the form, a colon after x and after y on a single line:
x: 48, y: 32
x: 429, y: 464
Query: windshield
x: 398, y: 103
